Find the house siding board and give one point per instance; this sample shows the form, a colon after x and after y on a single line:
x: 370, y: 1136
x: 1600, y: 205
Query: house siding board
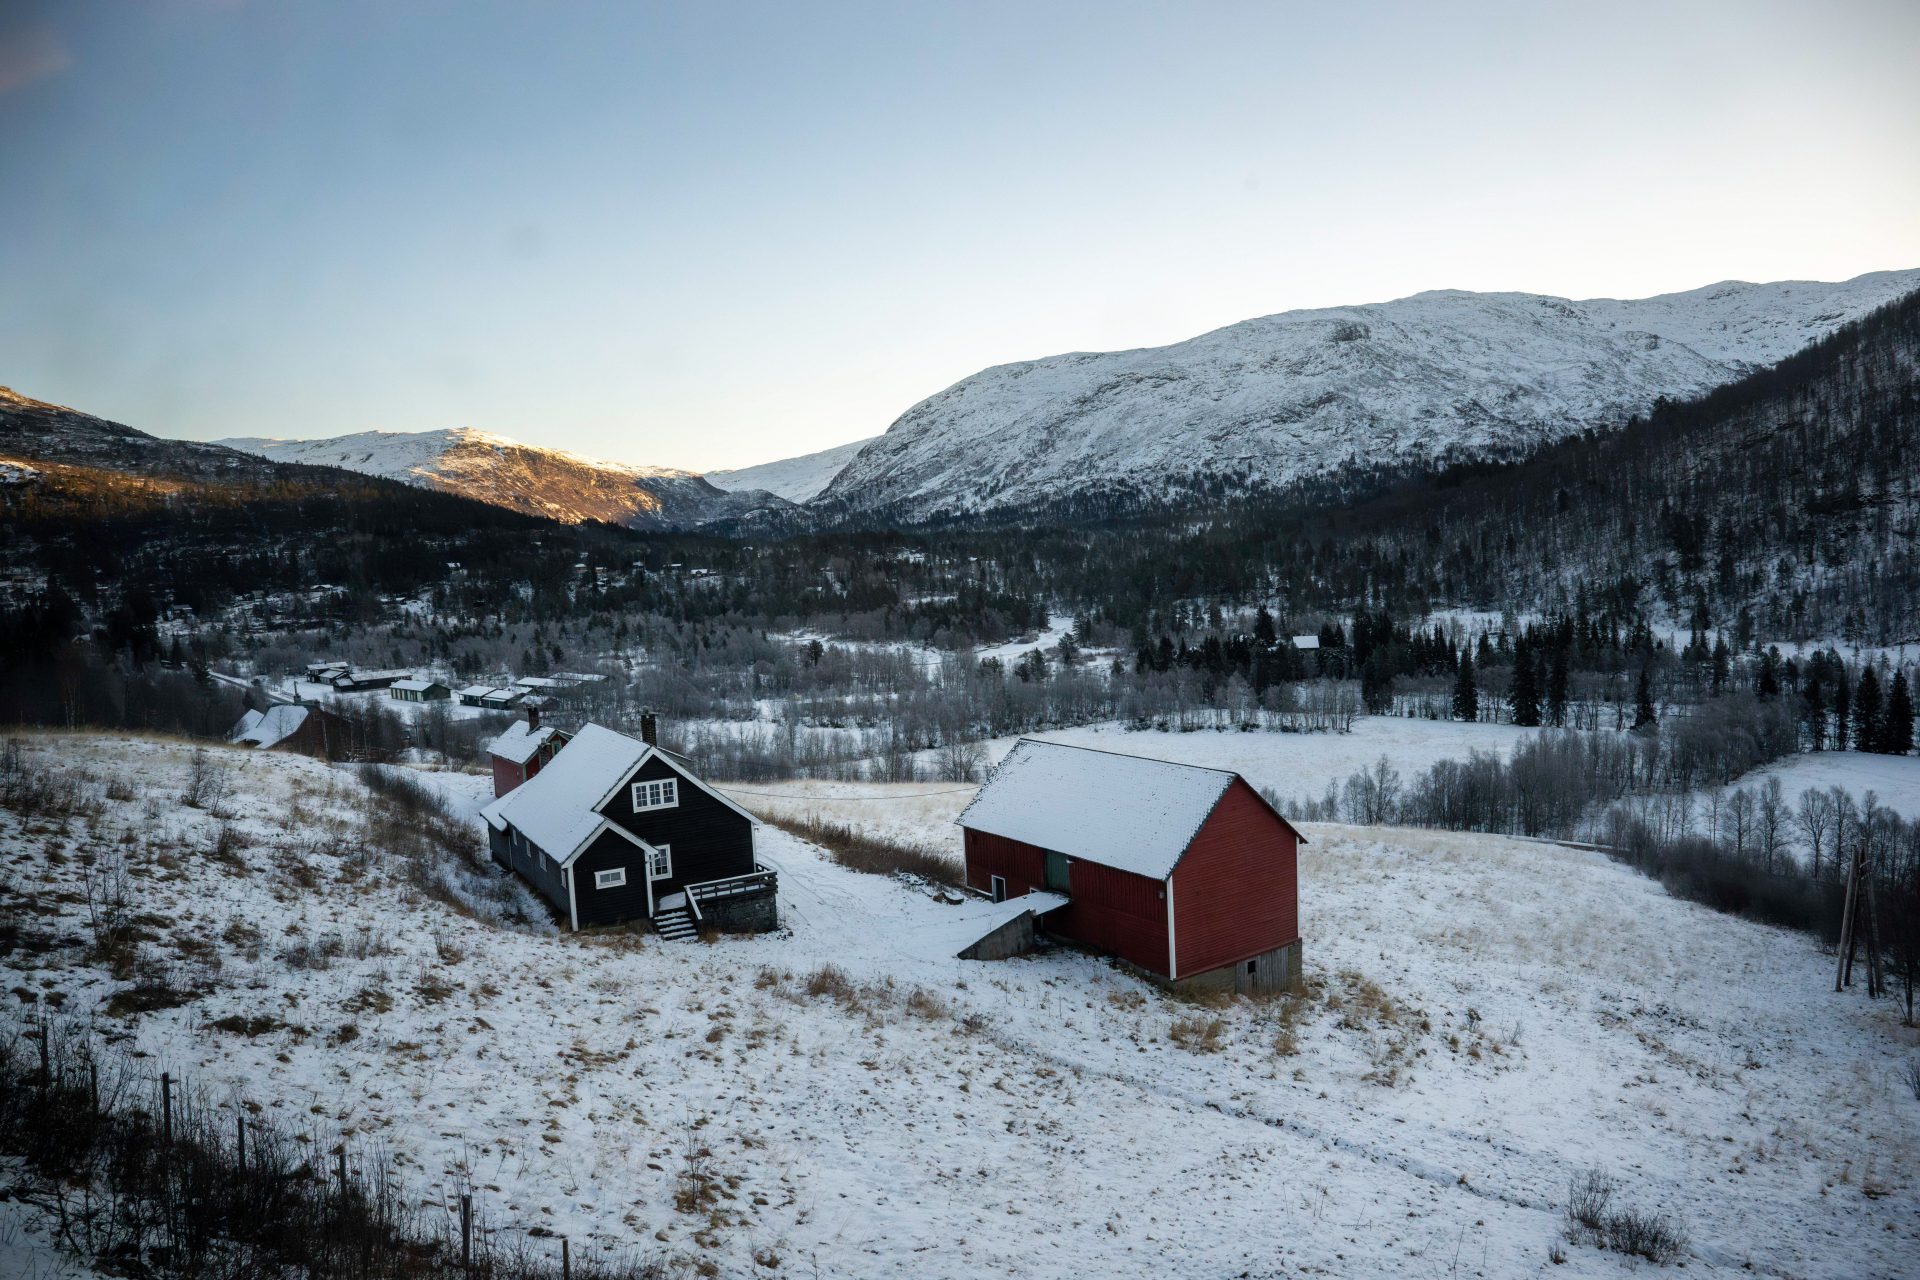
x: 1109, y: 909
x: 617, y: 905
x: 515, y: 852
x: 710, y: 841
x: 506, y: 776
x: 1236, y: 892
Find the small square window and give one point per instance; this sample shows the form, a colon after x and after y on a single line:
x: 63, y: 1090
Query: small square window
x: 610, y: 879
x: 662, y: 794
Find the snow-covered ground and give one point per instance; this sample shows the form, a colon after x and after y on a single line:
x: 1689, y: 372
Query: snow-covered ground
x: 1894, y: 780
x: 1490, y: 1017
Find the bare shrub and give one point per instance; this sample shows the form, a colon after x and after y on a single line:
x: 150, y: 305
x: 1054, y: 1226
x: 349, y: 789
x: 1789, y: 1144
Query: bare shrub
x: 1909, y: 1075
x: 208, y: 784
x: 1592, y: 1220
x: 1198, y: 1033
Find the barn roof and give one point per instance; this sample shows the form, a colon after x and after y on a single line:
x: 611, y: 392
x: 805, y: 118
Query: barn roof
x: 1306, y: 642
x: 1121, y: 811
x: 417, y: 686
x: 268, y: 728
x: 519, y: 743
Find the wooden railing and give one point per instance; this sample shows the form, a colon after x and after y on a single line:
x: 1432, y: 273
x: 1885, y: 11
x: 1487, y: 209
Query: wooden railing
x: 759, y: 880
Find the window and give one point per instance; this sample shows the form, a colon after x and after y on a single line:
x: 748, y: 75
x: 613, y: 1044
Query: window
x: 660, y: 862
x: 610, y: 879
x: 664, y: 794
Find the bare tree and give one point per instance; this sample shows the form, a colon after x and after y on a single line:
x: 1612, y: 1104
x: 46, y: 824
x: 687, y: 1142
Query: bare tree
x: 1814, y: 817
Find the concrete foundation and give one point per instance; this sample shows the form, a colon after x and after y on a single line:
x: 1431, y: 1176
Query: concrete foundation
x: 1270, y: 973
x: 1014, y: 938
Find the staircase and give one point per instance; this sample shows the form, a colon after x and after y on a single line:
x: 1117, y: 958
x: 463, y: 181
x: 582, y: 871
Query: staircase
x: 675, y: 924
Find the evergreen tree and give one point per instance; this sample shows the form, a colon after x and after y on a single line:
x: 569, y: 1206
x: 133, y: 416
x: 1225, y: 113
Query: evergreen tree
x: 1557, y: 687
x: 1842, y: 708
x: 1466, y: 694
x: 1814, y: 712
x: 1722, y: 663
x: 1866, y: 711
x: 1643, y: 713
x: 1767, y: 683
x: 1376, y: 684
x: 1263, y: 629
x: 1525, y: 695
x: 1896, y: 732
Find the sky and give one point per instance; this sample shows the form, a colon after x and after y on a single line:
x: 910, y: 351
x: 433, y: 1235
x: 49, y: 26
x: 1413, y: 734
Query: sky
x: 712, y: 234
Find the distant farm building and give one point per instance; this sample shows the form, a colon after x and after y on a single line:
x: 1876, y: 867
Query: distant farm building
x: 361, y: 681
x: 415, y: 690
x: 1306, y: 642
x: 492, y: 697
x: 308, y: 730
x: 612, y: 830
x: 1186, y: 873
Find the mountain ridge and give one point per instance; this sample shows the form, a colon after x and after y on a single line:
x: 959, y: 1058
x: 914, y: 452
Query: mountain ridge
x: 1440, y: 376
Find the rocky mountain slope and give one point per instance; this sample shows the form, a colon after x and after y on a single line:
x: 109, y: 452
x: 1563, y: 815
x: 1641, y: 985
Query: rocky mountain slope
x: 37, y: 431
x: 795, y: 479
x: 521, y: 477
x: 1436, y: 377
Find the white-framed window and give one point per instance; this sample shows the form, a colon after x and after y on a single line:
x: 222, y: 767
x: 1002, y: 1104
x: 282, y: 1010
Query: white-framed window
x: 660, y: 862
x: 610, y: 879
x: 663, y: 794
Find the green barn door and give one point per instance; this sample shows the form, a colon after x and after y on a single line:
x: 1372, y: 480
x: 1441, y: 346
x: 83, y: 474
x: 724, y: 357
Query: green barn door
x: 1057, y: 872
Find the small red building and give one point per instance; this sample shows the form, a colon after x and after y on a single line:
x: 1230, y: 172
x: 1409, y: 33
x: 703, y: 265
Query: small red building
x: 1186, y: 873
x: 519, y: 753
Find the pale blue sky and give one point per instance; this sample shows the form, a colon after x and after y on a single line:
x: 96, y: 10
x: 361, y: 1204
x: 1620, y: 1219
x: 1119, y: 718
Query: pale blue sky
x: 715, y: 234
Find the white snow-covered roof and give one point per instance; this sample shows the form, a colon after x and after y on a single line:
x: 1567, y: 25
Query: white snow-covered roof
x: 519, y: 743
x: 555, y: 808
x: 268, y: 728
x: 1306, y: 642
x: 476, y: 691
x: 416, y: 686
x: 1126, y: 812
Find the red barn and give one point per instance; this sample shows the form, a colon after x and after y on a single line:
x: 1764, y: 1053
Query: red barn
x: 1186, y: 873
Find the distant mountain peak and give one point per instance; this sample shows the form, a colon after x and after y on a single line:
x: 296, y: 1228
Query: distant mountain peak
x: 553, y: 483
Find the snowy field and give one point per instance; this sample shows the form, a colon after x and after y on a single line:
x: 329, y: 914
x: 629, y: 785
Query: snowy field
x: 1489, y: 1017
x: 1894, y: 780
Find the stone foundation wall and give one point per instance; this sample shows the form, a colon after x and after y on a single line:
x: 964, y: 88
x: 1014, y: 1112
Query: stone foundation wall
x: 742, y: 913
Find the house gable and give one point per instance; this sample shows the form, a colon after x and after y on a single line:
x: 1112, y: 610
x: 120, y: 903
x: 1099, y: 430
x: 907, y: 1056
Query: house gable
x: 1236, y: 889
x: 708, y: 836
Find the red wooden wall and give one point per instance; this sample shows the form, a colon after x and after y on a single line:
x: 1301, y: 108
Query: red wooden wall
x: 1236, y: 892
x: 1111, y: 910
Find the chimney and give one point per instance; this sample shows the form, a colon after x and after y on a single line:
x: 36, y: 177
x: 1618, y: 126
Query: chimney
x: 533, y: 716
x: 649, y: 728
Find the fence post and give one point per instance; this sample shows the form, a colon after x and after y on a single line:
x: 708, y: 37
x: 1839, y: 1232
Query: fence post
x: 566, y: 1260
x: 166, y: 1107
x: 341, y: 1158
x: 240, y: 1141
x: 46, y: 1053
x: 93, y: 1082
x: 466, y: 1233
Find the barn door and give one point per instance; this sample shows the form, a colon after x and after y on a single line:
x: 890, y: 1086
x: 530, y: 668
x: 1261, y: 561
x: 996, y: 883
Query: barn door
x: 1057, y: 872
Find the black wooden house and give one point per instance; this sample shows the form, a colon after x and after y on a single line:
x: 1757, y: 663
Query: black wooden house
x: 614, y: 830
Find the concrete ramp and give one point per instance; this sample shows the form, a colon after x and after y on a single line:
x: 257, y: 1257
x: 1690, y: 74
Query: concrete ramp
x: 983, y: 930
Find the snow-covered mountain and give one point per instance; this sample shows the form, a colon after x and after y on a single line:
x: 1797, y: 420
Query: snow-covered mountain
x: 543, y: 482
x: 1435, y: 377
x: 795, y: 479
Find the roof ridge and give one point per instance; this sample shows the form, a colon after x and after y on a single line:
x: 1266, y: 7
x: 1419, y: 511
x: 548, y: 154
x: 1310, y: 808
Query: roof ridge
x: 1127, y: 755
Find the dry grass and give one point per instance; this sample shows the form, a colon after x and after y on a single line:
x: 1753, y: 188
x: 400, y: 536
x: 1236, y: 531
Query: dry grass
x: 1197, y: 1033
x: 857, y: 851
